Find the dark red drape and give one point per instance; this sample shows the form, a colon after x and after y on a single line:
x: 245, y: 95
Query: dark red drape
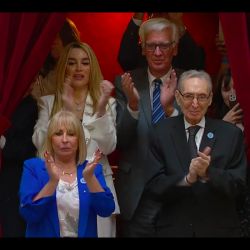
x: 235, y: 29
x: 24, y: 44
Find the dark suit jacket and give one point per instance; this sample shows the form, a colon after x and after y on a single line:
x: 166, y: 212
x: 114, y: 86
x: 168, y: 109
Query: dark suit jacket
x: 190, y: 55
x: 204, y: 209
x: 132, y: 142
x: 18, y: 147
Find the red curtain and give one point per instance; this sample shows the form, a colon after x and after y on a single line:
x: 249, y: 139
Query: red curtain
x: 235, y: 29
x: 24, y: 44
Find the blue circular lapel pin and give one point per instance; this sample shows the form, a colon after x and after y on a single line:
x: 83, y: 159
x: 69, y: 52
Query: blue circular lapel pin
x: 210, y: 135
x: 82, y: 180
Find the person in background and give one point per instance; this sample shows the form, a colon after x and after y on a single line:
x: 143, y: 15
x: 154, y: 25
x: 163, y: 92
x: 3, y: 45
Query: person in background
x: 82, y: 90
x: 131, y: 55
x: 136, y: 103
x: 225, y: 105
x: 16, y: 147
x: 197, y: 192
x: 44, y: 84
x: 61, y: 193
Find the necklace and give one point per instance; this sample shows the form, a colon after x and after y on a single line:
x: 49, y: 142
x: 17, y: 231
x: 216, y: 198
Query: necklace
x: 68, y: 173
x: 79, y: 106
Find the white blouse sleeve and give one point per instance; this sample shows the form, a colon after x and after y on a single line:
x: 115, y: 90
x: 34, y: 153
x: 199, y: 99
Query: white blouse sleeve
x: 45, y: 105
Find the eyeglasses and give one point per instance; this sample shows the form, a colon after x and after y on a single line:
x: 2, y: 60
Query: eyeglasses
x: 162, y: 46
x: 188, y: 97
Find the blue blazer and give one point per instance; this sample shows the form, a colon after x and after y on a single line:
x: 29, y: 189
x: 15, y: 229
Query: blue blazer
x: 41, y: 216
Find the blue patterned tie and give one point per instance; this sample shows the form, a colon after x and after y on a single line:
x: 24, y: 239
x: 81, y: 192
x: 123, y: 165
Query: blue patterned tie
x: 158, y: 112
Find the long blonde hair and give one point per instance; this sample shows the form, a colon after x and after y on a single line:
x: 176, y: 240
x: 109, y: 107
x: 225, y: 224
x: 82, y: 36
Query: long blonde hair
x: 95, y: 76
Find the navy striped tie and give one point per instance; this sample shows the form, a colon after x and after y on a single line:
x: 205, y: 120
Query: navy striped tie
x: 158, y: 112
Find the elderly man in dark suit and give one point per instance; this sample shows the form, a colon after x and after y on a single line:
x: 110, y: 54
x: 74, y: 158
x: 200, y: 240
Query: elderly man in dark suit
x: 136, y: 103
x: 197, y: 192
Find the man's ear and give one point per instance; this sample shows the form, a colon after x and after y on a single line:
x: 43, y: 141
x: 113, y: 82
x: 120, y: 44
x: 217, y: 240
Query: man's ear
x: 143, y: 51
x: 177, y: 97
x: 210, y: 99
x: 175, y: 52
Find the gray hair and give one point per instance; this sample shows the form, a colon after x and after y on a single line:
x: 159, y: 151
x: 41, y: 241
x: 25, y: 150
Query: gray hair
x: 157, y: 24
x: 201, y: 74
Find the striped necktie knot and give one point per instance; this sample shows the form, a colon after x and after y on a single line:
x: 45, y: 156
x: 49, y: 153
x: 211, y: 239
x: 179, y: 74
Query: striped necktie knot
x: 157, y: 82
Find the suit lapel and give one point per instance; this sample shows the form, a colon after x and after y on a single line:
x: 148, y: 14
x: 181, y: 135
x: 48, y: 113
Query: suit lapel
x: 54, y: 218
x: 83, y: 200
x: 53, y: 213
x: 180, y: 142
x: 146, y: 105
x: 142, y: 85
x: 208, y: 138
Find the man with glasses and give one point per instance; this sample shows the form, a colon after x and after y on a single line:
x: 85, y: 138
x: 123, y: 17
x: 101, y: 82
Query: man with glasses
x: 198, y: 193
x: 162, y: 46
x: 144, y: 97
x: 190, y: 55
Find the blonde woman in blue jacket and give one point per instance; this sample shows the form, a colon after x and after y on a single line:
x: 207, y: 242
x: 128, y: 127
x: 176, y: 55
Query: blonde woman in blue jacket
x: 62, y: 193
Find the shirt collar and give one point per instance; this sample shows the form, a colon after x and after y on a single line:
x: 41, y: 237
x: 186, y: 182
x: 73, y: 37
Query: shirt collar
x: 201, y: 123
x: 163, y: 78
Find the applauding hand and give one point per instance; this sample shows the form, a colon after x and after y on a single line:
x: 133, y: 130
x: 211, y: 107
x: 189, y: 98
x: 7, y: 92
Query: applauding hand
x: 106, y: 90
x: 168, y: 93
x: 89, y: 176
x: 130, y: 91
x: 53, y: 170
x: 88, y: 171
